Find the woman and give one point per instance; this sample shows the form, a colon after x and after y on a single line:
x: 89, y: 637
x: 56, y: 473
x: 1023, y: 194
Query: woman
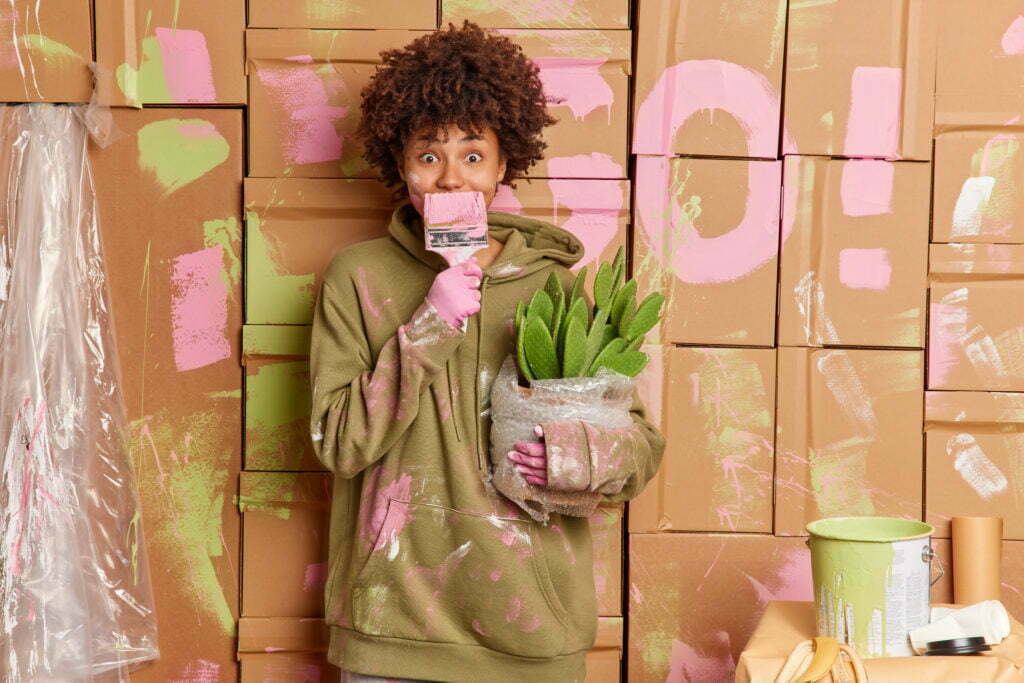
x: 433, y: 575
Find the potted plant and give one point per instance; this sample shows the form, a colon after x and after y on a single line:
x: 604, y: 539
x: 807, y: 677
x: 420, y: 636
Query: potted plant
x: 574, y: 361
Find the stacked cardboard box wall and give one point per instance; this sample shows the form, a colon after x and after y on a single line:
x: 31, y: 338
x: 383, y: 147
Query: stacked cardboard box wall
x: 828, y: 193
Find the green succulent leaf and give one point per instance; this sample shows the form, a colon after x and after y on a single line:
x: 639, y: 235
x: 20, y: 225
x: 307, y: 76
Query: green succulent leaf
x: 612, y: 349
x: 603, y: 286
x: 520, y: 316
x: 618, y: 271
x: 540, y: 350
x: 629, y: 363
x: 622, y: 299
x: 558, y: 317
x: 524, y: 365
x: 595, y: 337
x: 542, y: 307
x: 635, y: 344
x: 646, y: 316
x: 610, y: 333
x: 575, y: 349
x: 577, y: 285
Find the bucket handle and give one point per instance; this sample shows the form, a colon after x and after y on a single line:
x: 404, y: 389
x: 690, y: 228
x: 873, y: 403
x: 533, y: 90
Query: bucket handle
x: 928, y: 555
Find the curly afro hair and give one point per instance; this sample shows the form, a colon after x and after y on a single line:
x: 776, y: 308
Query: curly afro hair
x: 463, y: 76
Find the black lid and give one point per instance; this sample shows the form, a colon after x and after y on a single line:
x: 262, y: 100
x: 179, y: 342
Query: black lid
x: 957, y: 646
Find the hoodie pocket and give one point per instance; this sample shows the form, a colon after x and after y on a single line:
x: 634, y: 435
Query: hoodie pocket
x: 442, y: 575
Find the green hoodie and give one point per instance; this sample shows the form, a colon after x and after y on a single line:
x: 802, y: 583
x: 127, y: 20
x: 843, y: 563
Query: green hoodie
x: 431, y: 574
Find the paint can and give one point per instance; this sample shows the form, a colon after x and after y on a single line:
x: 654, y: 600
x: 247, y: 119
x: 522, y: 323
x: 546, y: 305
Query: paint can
x: 871, y: 581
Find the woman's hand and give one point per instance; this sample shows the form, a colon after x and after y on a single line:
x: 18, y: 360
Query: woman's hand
x: 455, y: 293
x: 531, y: 460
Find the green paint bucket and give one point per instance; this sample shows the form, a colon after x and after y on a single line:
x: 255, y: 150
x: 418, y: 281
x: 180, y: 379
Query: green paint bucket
x: 871, y: 581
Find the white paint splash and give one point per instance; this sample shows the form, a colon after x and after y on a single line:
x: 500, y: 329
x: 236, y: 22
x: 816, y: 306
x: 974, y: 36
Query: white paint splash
x: 977, y: 470
x: 970, y: 205
x: 849, y: 391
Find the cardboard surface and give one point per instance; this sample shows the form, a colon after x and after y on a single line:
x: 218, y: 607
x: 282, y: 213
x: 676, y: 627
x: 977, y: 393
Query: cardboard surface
x: 860, y: 78
x: 785, y: 624
x: 1012, y: 571
x: 284, y: 542
x: 849, y: 436
x: 694, y: 599
x: 604, y: 659
x: 305, y: 102
x: 975, y: 441
x: 378, y: 14
x: 976, y: 193
x: 708, y: 239
x: 855, y: 266
x: 293, y: 228
x: 979, y: 62
x: 169, y: 194
x: 169, y: 52
x: 45, y: 51
x: 720, y: 432
x: 606, y: 531
x: 287, y: 666
x: 537, y: 13
x: 709, y: 77
x: 277, y: 398
x: 976, y: 322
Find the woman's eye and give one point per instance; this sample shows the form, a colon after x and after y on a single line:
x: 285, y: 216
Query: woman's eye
x: 473, y: 157
x: 429, y: 158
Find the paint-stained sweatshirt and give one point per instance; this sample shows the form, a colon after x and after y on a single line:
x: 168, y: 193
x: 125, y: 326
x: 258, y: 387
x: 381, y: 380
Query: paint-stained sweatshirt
x: 431, y: 575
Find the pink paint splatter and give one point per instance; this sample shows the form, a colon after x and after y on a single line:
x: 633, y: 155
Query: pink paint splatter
x: 506, y: 201
x: 495, y: 574
x: 315, y: 576
x: 947, y: 329
x: 187, y: 65
x: 791, y: 581
x: 1013, y: 39
x: 200, y: 671
x: 551, y: 10
x: 575, y: 83
x: 700, y: 84
x: 865, y: 268
x: 873, y: 128
x: 301, y: 59
x: 687, y: 664
x: 593, y: 165
x: 199, y: 311
x: 383, y: 524
x: 310, y: 135
x: 596, y: 206
x: 866, y: 187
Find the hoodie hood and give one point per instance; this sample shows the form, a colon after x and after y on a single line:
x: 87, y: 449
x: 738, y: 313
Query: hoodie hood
x: 530, y: 244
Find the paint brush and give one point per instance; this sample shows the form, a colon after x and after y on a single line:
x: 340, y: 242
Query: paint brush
x: 454, y: 224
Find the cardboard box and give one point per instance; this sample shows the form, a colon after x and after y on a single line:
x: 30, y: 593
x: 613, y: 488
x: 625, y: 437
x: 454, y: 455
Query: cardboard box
x: 291, y: 649
x: 45, y: 51
x: 305, y: 99
x: 606, y: 532
x: 375, y: 14
x: 694, y: 599
x: 849, y: 436
x: 976, y: 198
x: 171, y: 230
x: 708, y: 240
x: 860, y: 78
x: 709, y: 78
x: 719, y: 461
x: 975, y: 441
x: 277, y: 398
x: 284, y: 542
x: 980, y: 56
x: 293, y: 228
x: 976, y: 326
x: 855, y: 264
x: 560, y: 14
x: 168, y: 52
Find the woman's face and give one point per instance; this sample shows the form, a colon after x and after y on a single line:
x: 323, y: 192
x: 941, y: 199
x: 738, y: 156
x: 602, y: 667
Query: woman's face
x: 451, y: 160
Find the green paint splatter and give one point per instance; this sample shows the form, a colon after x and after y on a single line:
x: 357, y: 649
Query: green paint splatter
x: 277, y: 411
x: 237, y: 393
x: 828, y: 120
x: 178, y: 151
x: 266, y: 491
x: 839, y: 478
x: 147, y: 83
x: 182, y: 465
x: 353, y: 166
x: 50, y: 49
x: 271, y: 294
x: 656, y: 650
x: 327, y: 10
x: 228, y: 234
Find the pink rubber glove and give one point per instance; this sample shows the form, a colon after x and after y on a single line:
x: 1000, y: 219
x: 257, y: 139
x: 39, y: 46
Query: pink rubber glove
x: 455, y: 294
x: 532, y: 460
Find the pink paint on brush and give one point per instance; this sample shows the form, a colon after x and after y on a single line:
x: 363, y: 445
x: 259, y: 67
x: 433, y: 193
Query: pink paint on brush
x: 596, y: 206
x: 873, y: 128
x: 309, y: 136
x: 199, y: 309
x: 698, y: 85
x: 866, y: 187
x: 455, y: 224
x: 315, y: 576
x: 578, y: 83
x: 187, y: 66
x: 865, y: 268
x: 594, y: 165
x: 1013, y: 39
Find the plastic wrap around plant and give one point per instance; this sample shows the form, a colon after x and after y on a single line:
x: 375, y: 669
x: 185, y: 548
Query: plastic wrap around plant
x: 604, y: 399
x: 74, y: 580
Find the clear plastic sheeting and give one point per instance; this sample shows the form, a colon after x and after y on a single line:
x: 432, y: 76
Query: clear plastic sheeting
x: 74, y: 581
x: 604, y: 399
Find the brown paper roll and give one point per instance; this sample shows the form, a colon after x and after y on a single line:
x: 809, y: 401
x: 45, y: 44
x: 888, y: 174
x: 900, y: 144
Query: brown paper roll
x: 977, y: 553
